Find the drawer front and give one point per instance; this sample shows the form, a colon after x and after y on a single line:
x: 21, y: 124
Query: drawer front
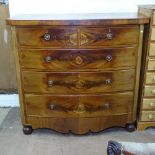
x: 109, y: 36
x: 78, y: 59
x: 152, y: 49
x: 88, y: 82
x: 84, y: 106
x: 150, y: 77
x: 154, y: 18
x: 148, y: 104
x: 151, y: 64
x: 153, y: 34
x: 47, y: 37
x: 149, y: 91
x: 148, y: 116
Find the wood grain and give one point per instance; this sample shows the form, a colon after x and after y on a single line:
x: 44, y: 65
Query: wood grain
x: 78, y: 106
x: 148, y: 116
x: 75, y: 83
x: 78, y: 125
x: 148, y: 104
x: 58, y: 37
x: 65, y: 60
x: 90, y: 37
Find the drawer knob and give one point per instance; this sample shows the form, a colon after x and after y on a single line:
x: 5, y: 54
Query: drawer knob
x: 52, y: 106
x: 153, y: 91
x: 108, y: 81
x: 109, y: 36
x: 50, y: 83
x: 154, y: 78
x: 150, y: 117
x: 108, y: 57
x: 48, y: 59
x: 106, y: 105
x: 152, y: 104
x: 47, y: 37
x: 80, y: 84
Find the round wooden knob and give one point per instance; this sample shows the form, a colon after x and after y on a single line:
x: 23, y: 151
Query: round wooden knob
x: 154, y: 78
x: 153, y: 91
x: 151, y: 117
x: 152, y: 104
x: 47, y: 37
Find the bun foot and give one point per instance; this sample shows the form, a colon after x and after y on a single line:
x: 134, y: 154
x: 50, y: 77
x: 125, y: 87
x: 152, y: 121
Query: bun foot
x: 131, y: 127
x: 27, y: 130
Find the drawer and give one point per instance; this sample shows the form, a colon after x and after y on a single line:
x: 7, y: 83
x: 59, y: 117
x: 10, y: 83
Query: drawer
x: 47, y: 37
x: 77, y: 83
x: 154, y: 18
x: 78, y: 59
x: 152, y: 49
x: 148, y: 103
x: 148, y: 116
x: 109, y: 36
x: 84, y: 106
x: 149, y: 91
x: 153, y: 34
x: 150, y: 77
x: 151, y: 64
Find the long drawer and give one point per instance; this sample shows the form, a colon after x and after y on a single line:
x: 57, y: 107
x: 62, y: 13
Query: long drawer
x: 75, y: 82
x: 84, y: 106
x: 78, y: 59
x: 73, y: 37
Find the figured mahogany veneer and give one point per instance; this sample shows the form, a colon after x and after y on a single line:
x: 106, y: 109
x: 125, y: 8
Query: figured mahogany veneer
x: 78, y: 75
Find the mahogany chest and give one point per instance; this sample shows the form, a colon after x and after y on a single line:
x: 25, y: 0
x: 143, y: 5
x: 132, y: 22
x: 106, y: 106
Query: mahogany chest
x: 78, y: 73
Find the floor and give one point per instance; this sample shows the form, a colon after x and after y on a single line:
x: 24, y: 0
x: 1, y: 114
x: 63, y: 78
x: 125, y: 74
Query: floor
x: 48, y: 142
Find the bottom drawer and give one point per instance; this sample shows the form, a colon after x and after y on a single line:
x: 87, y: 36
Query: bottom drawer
x: 148, y: 116
x: 75, y: 105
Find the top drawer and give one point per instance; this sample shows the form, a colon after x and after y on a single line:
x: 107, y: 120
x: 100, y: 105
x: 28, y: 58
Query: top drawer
x: 77, y: 37
x: 47, y: 37
x: 109, y: 36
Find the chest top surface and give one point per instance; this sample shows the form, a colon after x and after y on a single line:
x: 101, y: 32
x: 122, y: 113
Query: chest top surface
x: 78, y: 19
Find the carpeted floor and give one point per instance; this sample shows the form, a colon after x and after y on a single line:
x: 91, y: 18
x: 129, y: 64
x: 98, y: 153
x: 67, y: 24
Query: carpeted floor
x: 48, y: 142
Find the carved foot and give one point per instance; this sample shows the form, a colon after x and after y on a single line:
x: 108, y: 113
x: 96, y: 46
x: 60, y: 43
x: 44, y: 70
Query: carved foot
x: 27, y: 130
x: 131, y: 127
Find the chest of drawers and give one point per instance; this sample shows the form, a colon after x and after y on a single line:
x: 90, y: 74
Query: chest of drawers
x: 78, y: 75
x: 147, y: 95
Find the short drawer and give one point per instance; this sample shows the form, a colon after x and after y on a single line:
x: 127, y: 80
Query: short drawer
x: 148, y: 104
x: 151, y: 64
x: 149, y: 91
x: 76, y: 83
x: 152, y: 49
x: 154, y: 18
x: 148, y: 116
x: 150, y: 77
x: 153, y: 34
x: 78, y: 59
x: 84, y: 106
x: 47, y: 37
x: 109, y: 36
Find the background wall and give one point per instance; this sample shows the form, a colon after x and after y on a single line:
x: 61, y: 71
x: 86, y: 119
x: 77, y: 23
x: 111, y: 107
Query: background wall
x: 74, y: 6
